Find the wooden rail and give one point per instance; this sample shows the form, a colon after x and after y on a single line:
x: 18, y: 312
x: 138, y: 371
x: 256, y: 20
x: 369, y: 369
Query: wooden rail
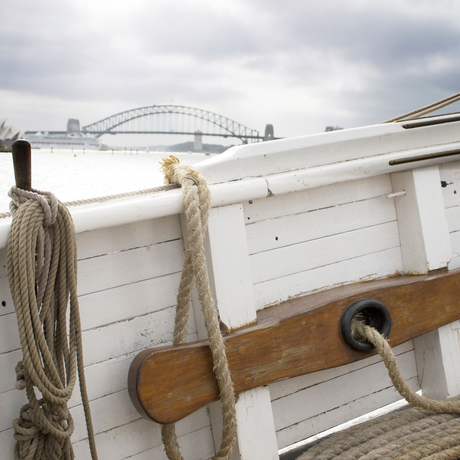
x: 294, y: 338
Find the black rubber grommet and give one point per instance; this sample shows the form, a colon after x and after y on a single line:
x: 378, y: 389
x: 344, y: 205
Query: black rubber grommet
x: 373, y: 313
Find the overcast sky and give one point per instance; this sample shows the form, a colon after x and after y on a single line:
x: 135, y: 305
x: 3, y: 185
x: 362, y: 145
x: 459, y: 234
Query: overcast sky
x: 298, y: 64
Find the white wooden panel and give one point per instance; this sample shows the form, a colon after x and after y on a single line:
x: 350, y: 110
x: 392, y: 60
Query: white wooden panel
x: 453, y: 218
x: 317, y: 198
x: 7, y: 442
x: 8, y: 362
x: 11, y: 403
x: 196, y: 445
x: 347, y: 394
x: 451, y: 194
x: 455, y: 246
x: 450, y: 171
x: 333, y: 393
x: 120, y: 268
x: 123, y: 237
x: 290, y: 386
x: 371, y: 266
x: 337, y: 416
x: 136, y: 334
x: 143, y: 440
x: 128, y: 301
x: 6, y: 302
x: 297, y: 228
x: 9, y: 334
x: 297, y: 258
x: 3, y: 264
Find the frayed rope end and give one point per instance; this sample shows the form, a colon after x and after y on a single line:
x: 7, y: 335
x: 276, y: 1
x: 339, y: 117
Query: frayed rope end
x: 168, y: 168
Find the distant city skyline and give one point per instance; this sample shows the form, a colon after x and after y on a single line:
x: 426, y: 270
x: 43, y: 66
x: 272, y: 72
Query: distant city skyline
x: 297, y: 64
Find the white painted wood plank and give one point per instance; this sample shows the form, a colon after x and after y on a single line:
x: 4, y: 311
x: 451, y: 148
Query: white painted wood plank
x: 124, y: 302
x: 142, y: 440
x: 451, y: 194
x: 120, y: 268
x: 3, y: 264
x: 8, y: 362
x: 113, y: 340
x: 7, y: 442
x: 6, y: 301
x: 11, y: 403
x: 195, y: 446
x: 289, y: 386
x: 317, y: 198
x: 307, y: 226
x: 129, y: 236
x: 453, y: 218
x: 272, y: 265
x: 455, y: 245
x: 325, y: 421
x: 450, y: 171
x: 327, y: 397
x: 125, y: 337
x: 365, y: 268
x: 9, y: 334
x: 330, y: 394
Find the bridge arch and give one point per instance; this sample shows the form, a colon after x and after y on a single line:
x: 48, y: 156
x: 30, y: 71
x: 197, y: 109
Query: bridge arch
x: 171, y: 119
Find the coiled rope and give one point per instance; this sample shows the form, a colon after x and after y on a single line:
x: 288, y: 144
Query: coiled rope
x: 42, y: 272
x: 430, y: 430
x: 197, y: 204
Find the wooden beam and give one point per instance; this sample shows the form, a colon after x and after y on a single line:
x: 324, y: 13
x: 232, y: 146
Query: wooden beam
x: 294, y: 338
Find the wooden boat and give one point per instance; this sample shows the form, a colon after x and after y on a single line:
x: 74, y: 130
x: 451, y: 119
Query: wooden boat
x: 299, y: 230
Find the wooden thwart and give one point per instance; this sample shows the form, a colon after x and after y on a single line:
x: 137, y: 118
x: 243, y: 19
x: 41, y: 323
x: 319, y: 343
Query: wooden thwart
x: 293, y: 338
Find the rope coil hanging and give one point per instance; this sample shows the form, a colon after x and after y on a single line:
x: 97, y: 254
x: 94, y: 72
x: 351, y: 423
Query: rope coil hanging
x: 42, y: 272
x: 430, y: 430
x: 197, y: 204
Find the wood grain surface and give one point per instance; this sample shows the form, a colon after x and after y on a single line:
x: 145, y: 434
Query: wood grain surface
x: 294, y: 338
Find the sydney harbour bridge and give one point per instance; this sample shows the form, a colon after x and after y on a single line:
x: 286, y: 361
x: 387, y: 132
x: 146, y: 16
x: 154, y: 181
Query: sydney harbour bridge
x: 171, y: 119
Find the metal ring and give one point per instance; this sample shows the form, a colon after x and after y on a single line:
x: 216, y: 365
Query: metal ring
x: 375, y: 314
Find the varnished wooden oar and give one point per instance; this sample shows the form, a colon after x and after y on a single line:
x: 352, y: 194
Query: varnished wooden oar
x: 294, y: 338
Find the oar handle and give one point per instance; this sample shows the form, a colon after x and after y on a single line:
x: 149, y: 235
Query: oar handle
x: 22, y: 163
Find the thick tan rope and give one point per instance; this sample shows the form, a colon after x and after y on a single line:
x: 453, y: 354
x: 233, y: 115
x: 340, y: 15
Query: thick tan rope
x: 431, y: 430
x: 42, y: 272
x: 197, y: 204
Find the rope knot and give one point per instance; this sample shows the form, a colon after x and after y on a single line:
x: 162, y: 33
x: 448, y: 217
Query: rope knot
x: 47, y: 201
x: 20, y: 376
x: 176, y: 173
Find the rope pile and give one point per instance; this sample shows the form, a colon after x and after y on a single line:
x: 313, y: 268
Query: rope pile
x: 42, y: 271
x: 430, y: 430
x: 197, y: 204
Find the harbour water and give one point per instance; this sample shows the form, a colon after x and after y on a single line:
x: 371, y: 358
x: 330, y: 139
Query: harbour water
x: 74, y: 175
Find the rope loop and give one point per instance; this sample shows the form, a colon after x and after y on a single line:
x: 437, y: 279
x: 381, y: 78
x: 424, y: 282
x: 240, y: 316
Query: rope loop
x: 47, y: 201
x: 197, y: 205
x: 42, y: 272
